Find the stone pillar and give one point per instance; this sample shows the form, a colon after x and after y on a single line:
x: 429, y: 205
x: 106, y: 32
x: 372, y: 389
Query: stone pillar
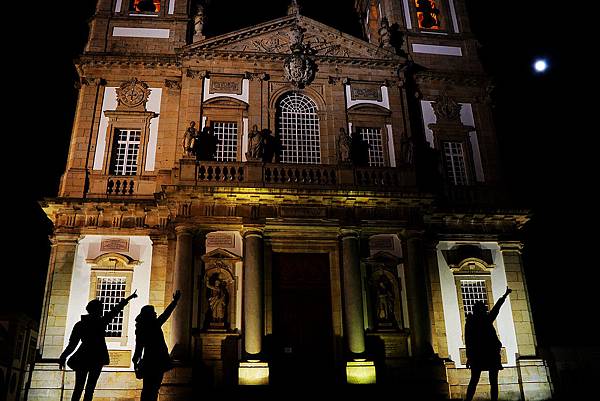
x: 352, y: 290
x: 519, y: 298
x: 253, y: 293
x: 58, y: 287
x: 416, y: 293
x: 182, y: 280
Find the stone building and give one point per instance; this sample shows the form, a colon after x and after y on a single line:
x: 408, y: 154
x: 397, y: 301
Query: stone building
x: 347, y: 219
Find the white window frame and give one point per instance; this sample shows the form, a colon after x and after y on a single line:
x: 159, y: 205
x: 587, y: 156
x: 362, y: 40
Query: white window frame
x: 374, y: 137
x: 455, y: 162
x: 116, y: 284
x: 227, y: 135
x: 298, y: 125
x: 122, y: 164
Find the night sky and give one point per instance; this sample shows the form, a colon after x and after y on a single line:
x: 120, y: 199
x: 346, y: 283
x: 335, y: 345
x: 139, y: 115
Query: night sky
x: 543, y: 122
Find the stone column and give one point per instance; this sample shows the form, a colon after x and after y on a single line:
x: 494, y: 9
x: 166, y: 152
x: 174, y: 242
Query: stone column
x: 253, y: 293
x: 416, y: 289
x: 182, y: 280
x: 352, y: 290
x: 56, y: 300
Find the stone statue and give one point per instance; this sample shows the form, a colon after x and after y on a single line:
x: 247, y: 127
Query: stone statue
x: 255, y: 145
x: 189, y: 139
x: 343, y: 147
x: 206, y: 144
x: 385, y: 300
x: 199, y: 22
x: 271, y: 146
x: 385, y: 34
x: 218, y: 299
x: 408, y: 150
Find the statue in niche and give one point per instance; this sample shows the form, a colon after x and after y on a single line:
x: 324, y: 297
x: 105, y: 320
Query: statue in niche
x: 255, y: 145
x: 343, y: 147
x: 218, y: 299
x: 189, y: 139
x: 384, y: 302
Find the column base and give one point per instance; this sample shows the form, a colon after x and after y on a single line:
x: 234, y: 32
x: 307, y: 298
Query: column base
x: 253, y: 373
x: 361, y: 372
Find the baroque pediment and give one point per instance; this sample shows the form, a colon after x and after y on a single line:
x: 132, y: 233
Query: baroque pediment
x: 274, y: 38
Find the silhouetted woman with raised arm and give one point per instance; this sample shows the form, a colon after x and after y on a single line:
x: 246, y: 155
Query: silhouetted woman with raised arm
x: 92, y: 354
x: 483, y: 346
x: 151, y: 357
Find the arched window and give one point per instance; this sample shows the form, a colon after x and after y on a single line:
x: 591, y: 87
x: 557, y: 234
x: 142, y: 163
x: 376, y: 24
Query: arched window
x: 298, y: 125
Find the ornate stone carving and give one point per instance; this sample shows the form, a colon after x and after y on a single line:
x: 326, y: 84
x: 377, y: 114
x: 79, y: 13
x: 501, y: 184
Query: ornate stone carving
x: 195, y: 74
x: 172, y: 84
x: 299, y: 67
x: 133, y: 93
x: 446, y: 108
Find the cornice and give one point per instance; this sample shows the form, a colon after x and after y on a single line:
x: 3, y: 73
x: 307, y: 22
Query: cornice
x: 462, y: 79
x: 115, y: 59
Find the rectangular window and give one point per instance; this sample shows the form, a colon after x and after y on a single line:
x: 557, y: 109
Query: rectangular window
x: 125, y: 153
x: 110, y: 291
x: 145, y: 6
x: 473, y: 291
x: 454, y: 159
x: 227, y: 140
x: 373, y: 137
x: 428, y: 14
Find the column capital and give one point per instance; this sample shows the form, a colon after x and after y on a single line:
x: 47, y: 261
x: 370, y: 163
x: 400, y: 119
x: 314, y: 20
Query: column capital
x: 159, y: 239
x: 349, y: 233
x: 184, y: 229
x: 510, y: 246
x: 252, y: 232
x: 65, y: 239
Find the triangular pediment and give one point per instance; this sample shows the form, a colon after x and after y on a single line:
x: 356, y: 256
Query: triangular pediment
x: 273, y: 38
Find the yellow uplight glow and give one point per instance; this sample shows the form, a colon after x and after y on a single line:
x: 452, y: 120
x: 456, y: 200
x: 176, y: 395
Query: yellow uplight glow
x: 361, y: 372
x: 253, y: 373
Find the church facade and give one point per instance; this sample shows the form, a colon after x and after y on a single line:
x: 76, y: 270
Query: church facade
x: 341, y: 229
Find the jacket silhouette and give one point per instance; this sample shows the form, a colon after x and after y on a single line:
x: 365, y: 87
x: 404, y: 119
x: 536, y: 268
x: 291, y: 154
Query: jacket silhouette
x: 483, y: 346
x: 92, y: 354
x: 151, y: 357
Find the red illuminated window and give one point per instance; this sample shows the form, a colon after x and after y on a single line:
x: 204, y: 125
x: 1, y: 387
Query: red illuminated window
x: 145, y: 6
x: 428, y: 14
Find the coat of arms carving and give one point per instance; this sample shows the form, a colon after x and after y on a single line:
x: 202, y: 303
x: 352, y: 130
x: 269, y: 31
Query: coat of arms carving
x: 299, y: 67
x: 133, y: 93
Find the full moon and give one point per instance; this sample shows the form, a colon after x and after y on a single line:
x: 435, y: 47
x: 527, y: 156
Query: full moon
x: 540, y: 65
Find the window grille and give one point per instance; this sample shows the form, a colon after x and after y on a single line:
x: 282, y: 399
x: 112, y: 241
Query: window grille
x: 455, y: 163
x: 110, y: 291
x: 299, y: 129
x: 227, y: 134
x: 473, y: 291
x: 373, y: 137
x: 127, y: 146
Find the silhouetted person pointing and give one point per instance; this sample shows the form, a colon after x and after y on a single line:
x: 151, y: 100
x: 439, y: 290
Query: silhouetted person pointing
x: 483, y: 346
x: 151, y: 357
x: 92, y: 354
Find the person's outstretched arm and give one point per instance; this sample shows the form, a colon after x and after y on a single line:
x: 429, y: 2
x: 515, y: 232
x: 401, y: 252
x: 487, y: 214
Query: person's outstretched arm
x: 496, y: 309
x: 169, y: 309
x: 110, y: 315
x: 73, y: 341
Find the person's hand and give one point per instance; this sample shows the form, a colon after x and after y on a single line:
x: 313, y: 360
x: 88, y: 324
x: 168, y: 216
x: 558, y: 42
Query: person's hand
x: 61, y: 363
x: 468, y: 365
x: 508, y: 291
x: 176, y: 295
x: 134, y: 295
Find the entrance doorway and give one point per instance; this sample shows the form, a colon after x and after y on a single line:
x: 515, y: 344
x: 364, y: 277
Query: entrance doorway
x: 302, y: 321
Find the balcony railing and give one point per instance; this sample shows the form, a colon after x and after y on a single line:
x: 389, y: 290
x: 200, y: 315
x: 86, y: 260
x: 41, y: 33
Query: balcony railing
x: 279, y: 175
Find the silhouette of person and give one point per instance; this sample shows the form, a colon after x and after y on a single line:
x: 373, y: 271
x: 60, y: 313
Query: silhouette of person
x: 359, y: 150
x: 92, y: 354
x: 483, y: 346
x: 206, y: 145
x: 150, y: 342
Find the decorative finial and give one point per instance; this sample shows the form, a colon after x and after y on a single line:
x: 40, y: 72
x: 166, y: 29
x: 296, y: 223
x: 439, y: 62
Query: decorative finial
x: 294, y: 8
